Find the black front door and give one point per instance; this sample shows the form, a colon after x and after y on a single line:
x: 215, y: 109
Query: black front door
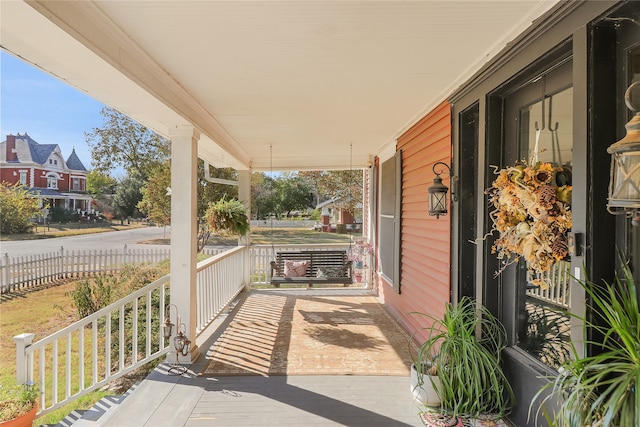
x: 538, y: 127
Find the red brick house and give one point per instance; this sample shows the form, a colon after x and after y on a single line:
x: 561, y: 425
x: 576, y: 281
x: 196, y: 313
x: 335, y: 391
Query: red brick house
x: 41, y: 168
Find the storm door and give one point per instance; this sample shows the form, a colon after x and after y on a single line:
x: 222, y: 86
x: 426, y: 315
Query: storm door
x: 538, y: 128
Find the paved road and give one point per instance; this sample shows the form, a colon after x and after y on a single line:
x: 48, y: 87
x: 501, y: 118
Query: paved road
x: 107, y: 240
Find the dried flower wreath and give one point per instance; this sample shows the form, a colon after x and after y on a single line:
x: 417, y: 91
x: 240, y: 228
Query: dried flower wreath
x: 532, y: 216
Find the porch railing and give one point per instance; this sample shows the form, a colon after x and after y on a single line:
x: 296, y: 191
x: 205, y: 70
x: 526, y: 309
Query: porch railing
x: 121, y: 337
x: 219, y: 280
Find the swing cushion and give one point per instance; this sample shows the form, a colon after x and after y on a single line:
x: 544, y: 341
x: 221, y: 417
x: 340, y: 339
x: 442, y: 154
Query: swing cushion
x: 295, y: 268
x: 331, y: 272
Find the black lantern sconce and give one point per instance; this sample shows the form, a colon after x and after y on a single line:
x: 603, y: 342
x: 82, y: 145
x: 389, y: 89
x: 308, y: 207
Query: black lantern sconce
x: 624, y: 183
x: 438, y: 192
x: 181, y: 342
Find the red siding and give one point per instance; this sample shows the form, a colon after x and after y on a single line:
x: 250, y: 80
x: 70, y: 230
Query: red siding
x: 426, y: 241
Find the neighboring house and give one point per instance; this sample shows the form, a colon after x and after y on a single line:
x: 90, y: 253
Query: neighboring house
x: 41, y: 168
x: 332, y: 214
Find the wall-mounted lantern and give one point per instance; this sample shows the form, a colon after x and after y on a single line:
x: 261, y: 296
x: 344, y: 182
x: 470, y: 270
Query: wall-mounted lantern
x: 438, y: 192
x: 624, y: 183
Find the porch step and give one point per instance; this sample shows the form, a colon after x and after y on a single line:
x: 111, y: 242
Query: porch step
x: 95, y: 416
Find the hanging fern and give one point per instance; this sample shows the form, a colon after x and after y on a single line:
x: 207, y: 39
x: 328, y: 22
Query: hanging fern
x: 228, y: 216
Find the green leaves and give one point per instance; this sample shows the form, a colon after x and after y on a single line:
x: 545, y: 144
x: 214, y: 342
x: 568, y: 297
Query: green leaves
x: 228, y: 216
x: 468, y: 365
x: 17, y: 208
x: 602, y: 389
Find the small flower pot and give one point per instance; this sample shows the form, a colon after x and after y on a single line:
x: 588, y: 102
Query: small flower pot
x: 25, y: 420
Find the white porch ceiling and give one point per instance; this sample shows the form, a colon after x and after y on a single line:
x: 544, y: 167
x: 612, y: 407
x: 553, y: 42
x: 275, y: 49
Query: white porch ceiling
x: 307, y: 78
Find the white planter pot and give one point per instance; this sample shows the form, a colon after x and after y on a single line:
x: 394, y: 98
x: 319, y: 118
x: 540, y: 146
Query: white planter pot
x: 425, y: 393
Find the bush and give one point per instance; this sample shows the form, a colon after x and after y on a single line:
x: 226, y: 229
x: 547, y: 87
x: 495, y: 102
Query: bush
x: 17, y: 208
x: 62, y: 215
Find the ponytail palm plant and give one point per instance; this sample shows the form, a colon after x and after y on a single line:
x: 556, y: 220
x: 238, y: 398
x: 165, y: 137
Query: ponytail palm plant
x: 602, y: 389
x: 464, y: 349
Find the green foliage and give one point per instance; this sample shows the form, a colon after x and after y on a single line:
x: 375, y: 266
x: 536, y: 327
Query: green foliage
x: 602, y: 389
x: 124, y: 143
x: 128, y: 195
x: 156, y: 200
x: 90, y: 297
x: 209, y: 191
x: 262, y: 195
x: 345, y: 186
x: 292, y: 193
x: 228, y: 216
x: 61, y: 215
x: 99, y: 183
x: 17, y: 401
x: 17, y: 208
x: 468, y: 366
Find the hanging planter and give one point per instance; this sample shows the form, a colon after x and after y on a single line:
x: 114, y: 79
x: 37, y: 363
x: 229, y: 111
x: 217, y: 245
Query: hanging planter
x: 532, y: 216
x: 228, y: 216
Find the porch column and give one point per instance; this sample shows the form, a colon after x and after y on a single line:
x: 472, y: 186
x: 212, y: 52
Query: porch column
x: 184, y: 172
x: 244, y: 195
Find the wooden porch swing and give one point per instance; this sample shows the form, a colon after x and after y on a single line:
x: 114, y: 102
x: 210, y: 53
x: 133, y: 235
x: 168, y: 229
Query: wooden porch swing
x: 310, y: 267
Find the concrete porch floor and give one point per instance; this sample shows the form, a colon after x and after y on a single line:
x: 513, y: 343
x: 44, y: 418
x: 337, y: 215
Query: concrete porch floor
x: 305, y: 400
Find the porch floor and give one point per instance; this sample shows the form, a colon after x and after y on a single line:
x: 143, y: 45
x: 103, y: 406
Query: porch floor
x: 194, y: 399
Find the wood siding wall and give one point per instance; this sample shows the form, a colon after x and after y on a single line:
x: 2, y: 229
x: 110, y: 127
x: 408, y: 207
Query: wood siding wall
x: 426, y: 241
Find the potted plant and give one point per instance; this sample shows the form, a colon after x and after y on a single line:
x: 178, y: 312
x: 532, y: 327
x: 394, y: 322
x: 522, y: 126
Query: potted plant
x: 601, y: 389
x: 463, y: 349
x: 18, y: 405
x: 228, y: 216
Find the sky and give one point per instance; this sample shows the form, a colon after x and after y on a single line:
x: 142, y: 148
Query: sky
x: 49, y: 110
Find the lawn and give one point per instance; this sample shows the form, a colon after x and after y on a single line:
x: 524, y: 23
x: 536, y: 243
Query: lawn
x: 49, y: 311
x: 70, y: 229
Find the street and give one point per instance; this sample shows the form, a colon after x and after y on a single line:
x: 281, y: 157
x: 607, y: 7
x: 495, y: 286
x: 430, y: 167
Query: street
x: 106, y: 240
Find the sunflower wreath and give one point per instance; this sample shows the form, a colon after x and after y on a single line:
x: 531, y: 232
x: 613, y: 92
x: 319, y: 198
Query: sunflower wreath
x: 532, y: 216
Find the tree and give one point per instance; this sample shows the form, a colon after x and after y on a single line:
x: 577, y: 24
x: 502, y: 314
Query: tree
x: 262, y: 195
x: 345, y: 186
x: 122, y: 142
x: 99, y: 183
x: 17, y: 208
x: 128, y: 195
x: 292, y: 193
x: 156, y: 198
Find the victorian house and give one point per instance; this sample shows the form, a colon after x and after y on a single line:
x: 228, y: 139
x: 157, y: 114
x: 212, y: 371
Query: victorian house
x: 43, y: 169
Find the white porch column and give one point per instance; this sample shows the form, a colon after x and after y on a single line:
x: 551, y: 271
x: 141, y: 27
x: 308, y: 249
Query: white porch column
x: 244, y: 195
x: 184, y: 172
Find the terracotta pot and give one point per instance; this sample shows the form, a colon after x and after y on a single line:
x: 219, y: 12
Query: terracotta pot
x: 25, y: 420
x: 425, y: 393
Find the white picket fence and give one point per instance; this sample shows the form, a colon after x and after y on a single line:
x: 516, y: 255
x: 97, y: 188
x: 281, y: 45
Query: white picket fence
x: 39, y: 269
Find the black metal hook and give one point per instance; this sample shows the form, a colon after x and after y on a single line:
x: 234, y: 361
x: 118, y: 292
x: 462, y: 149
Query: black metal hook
x: 555, y: 128
x: 538, y: 129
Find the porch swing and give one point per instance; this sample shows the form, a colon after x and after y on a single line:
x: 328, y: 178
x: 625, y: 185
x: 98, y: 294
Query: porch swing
x: 310, y: 266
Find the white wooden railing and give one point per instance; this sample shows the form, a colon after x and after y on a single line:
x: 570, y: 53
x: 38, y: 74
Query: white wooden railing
x: 38, y: 269
x: 558, y: 281
x: 219, y: 280
x: 121, y: 337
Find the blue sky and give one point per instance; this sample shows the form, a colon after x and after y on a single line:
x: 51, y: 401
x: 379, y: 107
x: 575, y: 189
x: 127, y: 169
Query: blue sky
x: 50, y: 111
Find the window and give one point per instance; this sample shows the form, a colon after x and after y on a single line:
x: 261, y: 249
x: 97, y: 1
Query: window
x: 390, y: 208
x: 52, y: 182
x: 23, y: 177
x: 75, y: 184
